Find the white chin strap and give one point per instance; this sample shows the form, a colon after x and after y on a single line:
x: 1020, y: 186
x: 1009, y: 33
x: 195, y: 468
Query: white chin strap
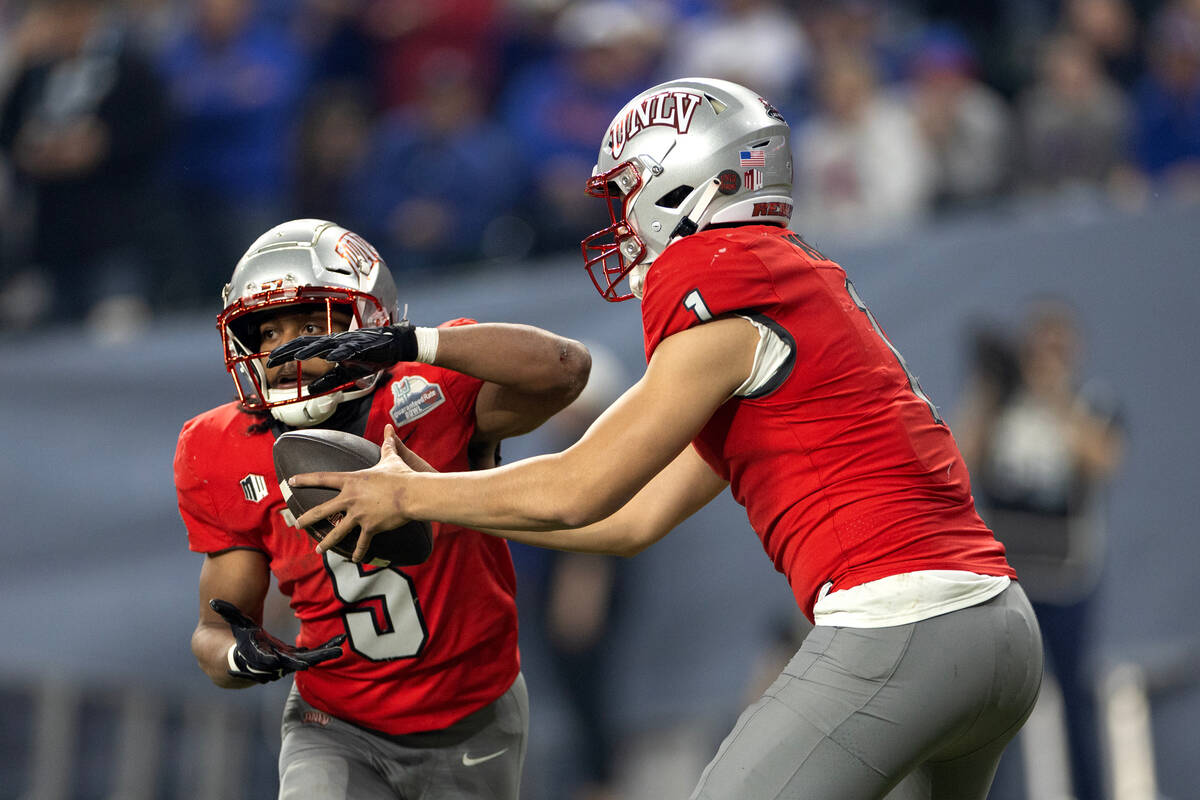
x: 637, y: 279
x: 303, y: 413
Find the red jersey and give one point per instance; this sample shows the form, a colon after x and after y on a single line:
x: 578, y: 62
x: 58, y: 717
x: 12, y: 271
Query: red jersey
x: 844, y: 469
x: 427, y: 644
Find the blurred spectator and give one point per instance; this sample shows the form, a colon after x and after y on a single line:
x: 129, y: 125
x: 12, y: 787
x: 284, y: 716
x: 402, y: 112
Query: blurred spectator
x: 333, y: 37
x: 239, y: 74
x: 1041, y: 450
x: 332, y: 144
x: 875, y: 29
x: 413, y: 36
x: 82, y: 126
x: 1110, y: 29
x: 607, y: 51
x: 1074, y: 121
x: 527, y: 36
x: 439, y: 176
x: 1167, y: 101
x: 862, y: 167
x: 14, y: 212
x: 235, y: 83
x: 757, y: 43
x: 1005, y: 35
x: 964, y: 123
x: 154, y: 23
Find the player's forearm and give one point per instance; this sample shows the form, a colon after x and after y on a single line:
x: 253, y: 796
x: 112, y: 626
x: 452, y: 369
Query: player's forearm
x: 520, y: 356
x: 537, y: 494
x: 676, y: 492
x: 639, y: 435
x: 607, y: 537
x: 210, y: 646
x: 685, y: 486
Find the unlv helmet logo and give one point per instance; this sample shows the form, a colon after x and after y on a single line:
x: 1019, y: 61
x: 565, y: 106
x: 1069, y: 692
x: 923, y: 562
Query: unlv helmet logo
x: 358, y: 253
x: 673, y: 108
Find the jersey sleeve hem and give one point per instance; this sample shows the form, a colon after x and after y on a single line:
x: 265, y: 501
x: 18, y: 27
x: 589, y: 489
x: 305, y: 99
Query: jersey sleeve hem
x: 758, y: 385
x: 222, y: 550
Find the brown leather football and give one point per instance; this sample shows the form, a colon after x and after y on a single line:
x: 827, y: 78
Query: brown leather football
x: 321, y: 450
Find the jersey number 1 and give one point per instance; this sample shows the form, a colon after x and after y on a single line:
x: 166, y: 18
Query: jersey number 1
x: 912, y: 379
x: 388, y: 628
x: 694, y: 302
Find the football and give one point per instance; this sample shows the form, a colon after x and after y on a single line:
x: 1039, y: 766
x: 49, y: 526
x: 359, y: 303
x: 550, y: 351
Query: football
x: 318, y: 450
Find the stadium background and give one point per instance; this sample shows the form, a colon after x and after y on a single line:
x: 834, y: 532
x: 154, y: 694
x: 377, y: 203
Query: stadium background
x: 104, y: 355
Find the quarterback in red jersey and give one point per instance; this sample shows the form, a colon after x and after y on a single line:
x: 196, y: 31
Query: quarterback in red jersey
x: 394, y: 666
x: 768, y: 374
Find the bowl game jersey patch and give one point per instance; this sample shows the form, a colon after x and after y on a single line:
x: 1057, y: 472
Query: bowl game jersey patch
x: 413, y: 397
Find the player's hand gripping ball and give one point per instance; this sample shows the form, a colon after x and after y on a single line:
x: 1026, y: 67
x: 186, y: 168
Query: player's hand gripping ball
x: 319, y: 450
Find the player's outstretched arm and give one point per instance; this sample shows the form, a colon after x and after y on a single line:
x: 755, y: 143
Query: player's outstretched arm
x: 685, y: 486
x: 681, y: 489
x: 691, y: 374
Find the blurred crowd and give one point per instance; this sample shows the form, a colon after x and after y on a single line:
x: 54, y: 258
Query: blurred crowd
x: 145, y: 143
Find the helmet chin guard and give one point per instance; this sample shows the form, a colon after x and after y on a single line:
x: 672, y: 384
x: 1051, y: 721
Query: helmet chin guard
x: 677, y: 158
x: 617, y: 249
x: 305, y: 413
x: 310, y: 264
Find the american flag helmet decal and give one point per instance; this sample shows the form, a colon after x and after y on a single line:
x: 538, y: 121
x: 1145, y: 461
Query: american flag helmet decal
x: 753, y: 158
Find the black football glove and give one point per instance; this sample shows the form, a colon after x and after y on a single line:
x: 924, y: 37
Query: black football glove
x: 358, y: 352
x: 260, y: 657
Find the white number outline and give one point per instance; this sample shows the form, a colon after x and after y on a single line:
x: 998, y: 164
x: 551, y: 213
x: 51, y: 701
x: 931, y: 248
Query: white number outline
x: 694, y: 302
x: 403, y: 633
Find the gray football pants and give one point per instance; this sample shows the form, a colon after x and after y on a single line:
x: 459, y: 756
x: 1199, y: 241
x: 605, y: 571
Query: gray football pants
x: 912, y: 712
x: 324, y: 758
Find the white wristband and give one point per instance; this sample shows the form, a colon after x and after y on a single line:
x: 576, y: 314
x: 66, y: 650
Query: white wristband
x: 427, y: 344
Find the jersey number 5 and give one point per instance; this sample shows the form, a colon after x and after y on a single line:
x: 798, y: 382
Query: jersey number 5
x: 383, y: 618
x: 912, y: 379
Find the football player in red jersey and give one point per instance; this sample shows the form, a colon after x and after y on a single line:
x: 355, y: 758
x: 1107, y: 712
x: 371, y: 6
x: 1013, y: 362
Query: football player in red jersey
x: 407, y: 680
x: 767, y: 373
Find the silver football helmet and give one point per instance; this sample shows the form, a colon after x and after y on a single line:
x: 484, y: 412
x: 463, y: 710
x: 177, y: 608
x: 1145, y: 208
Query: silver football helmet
x: 307, y: 262
x: 677, y: 158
